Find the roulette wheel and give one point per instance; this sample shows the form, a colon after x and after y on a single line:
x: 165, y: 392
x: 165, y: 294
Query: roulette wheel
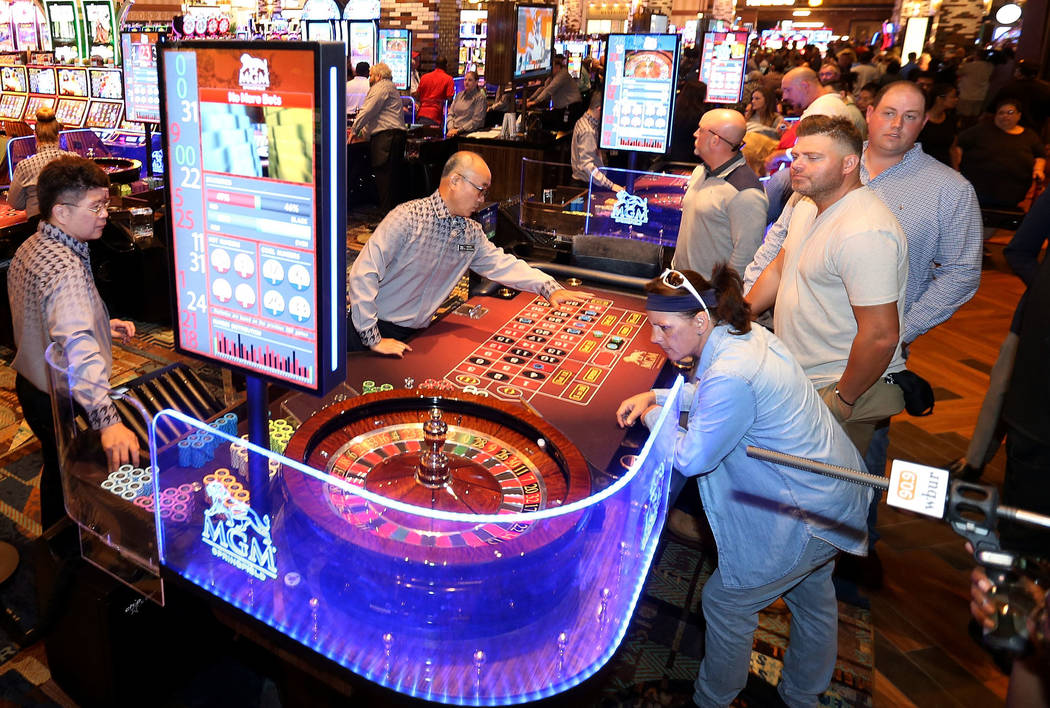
x: 121, y: 170
x: 444, y: 451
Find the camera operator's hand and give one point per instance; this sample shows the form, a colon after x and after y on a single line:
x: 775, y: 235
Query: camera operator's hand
x: 981, y: 607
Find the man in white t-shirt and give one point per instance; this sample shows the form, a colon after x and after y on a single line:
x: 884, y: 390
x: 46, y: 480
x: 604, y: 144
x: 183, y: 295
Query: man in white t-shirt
x: 838, y: 280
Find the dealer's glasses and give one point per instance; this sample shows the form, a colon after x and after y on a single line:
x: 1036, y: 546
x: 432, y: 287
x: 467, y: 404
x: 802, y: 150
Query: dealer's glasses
x: 482, y: 191
x: 675, y: 279
x: 96, y: 210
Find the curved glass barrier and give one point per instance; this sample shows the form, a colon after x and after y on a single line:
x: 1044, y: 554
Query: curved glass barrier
x: 519, y: 584
x: 116, y: 536
x: 636, y: 205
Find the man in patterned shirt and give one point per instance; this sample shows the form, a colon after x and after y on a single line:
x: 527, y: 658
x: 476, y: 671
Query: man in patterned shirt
x: 419, y: 252
x: 53, y: 299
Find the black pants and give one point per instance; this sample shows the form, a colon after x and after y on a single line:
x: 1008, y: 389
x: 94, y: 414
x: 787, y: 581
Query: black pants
x: 388, y: 155
x: 387, y: 329
x: 1026, y: 485
x: 36, y: 408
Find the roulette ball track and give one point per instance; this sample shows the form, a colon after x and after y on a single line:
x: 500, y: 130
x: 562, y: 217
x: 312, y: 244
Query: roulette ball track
x: 447, y: 451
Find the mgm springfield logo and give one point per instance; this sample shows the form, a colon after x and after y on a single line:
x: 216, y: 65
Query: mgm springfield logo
x: 237, y: 535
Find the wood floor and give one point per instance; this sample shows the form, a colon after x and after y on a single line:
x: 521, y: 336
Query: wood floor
x: 923, y: 653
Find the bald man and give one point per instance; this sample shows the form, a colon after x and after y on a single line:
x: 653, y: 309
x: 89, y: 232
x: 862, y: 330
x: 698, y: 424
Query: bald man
x: 420, y: 251
x: 724, y: 208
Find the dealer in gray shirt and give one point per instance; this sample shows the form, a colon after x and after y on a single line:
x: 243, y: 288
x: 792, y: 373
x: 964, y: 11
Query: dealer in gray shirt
x: 421, y: 250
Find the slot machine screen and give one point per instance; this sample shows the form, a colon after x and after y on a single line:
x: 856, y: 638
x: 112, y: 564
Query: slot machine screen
x: 71, y: 112
x: 104, y: 115
x: 72, y: 82
x: 13, y: 78
x: 105, y: 83
x: 723, y: 65
x: 395, y: 48
x: 42, y: 80
x: 641, y: 74
x: 362, y: 42
x: 141, y: 90
x: 256, y: 205
x: 34, y: 104
x: 12, y: 105
x: 534, y: 44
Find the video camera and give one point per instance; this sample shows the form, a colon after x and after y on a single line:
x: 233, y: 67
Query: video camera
x: 973, y: 511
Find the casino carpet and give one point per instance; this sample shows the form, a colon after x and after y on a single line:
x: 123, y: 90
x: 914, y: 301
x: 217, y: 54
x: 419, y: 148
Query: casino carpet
x: 654, y: 668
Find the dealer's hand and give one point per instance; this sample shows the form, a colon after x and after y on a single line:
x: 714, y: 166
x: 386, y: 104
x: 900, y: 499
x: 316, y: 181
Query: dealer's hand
x: 562, y: 295
x: 391, y: 347
x: 634, y: 408
x: 122, y: 330
x: 121, y: 446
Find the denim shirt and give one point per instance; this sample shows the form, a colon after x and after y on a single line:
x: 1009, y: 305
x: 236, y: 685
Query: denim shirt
x: 749, y: 390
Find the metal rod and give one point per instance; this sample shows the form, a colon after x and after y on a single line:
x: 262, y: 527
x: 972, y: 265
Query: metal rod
x: 801, y: 463
x: 1023, y: 517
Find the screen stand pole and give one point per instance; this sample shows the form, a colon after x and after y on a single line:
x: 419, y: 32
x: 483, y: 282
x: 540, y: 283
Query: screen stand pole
x: 259, y: 434
x: 632, y: 165
x: 149, y: 149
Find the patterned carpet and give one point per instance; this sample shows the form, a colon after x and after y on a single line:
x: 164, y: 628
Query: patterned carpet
x: 655, y: 667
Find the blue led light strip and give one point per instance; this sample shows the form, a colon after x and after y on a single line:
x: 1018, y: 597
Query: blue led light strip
x: 333, y: 204
x: 517, y: 517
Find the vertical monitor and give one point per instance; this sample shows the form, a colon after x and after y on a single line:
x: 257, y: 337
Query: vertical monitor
x: 361, y: 41
x: 67, y: 33
x: 658, y: 23
x: 640, y: 79
x: 395, y: 49
x: 141, y: 89
x: 253, y: 136
x: 534, y: 41
x: 723, y: 65
x: 100, y: 19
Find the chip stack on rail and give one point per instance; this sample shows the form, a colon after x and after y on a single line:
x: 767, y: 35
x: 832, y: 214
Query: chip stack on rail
x: 280, y: 433
x: 197, y: 449
x: 129, y: 482
x: 227, y: 424
x: 236, y: 490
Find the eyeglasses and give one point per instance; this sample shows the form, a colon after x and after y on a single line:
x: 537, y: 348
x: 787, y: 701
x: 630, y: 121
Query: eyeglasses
x: 96, y: 210
x: 482, y: 191
x: 1007, y: 112
x: 727, y: 142
x: 675, y: 279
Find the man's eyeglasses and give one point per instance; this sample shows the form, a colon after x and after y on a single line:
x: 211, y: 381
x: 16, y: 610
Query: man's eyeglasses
x: 96, y: 210
x: 482, y: 191
x: 675, y: 279
x: 728, y: 142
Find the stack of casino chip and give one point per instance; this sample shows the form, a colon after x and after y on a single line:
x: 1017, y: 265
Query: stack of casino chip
x: 226, y: 424
x: 130, y: 483
x: 197, y: 449
x: 235, y: 490
x: 280, y: 433
x: 176, y: 503
x: 239, y: 457
x: 442, y: 385
x: 371, y: 387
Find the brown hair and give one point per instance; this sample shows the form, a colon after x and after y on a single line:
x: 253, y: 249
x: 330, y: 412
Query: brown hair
x: 839, y: 129
x: 47, y: 125
x: 729, y: 288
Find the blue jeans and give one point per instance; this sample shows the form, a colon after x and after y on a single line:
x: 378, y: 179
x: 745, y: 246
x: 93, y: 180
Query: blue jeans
x: 732, y: 617
x: 875, y: 460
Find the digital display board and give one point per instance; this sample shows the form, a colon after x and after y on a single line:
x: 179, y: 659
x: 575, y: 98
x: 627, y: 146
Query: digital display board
x: 105, y: 83
x: 723, y: 65
x: 104, y: 115
x: 141, y: 89
x: 395, y: 49
x: 101, y: 30
x: 12, y: 106
x: 42, y: 80
x: 361, y: 38
x: 13, y: 78
x: 534, y: 41
x: 71, y: 112
x: 67, y: 33
x: 253, y: 144
x: 34, y: 104
x: 72, y: 82
x: 641, y: 74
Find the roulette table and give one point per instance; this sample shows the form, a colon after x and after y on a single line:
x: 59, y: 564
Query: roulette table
x: 574, y: 364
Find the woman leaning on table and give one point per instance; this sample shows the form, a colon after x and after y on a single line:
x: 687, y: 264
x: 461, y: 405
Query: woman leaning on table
x: 778, y: 529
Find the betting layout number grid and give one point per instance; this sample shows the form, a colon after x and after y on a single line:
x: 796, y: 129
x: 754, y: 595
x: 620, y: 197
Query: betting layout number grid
x: 564, y: 352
